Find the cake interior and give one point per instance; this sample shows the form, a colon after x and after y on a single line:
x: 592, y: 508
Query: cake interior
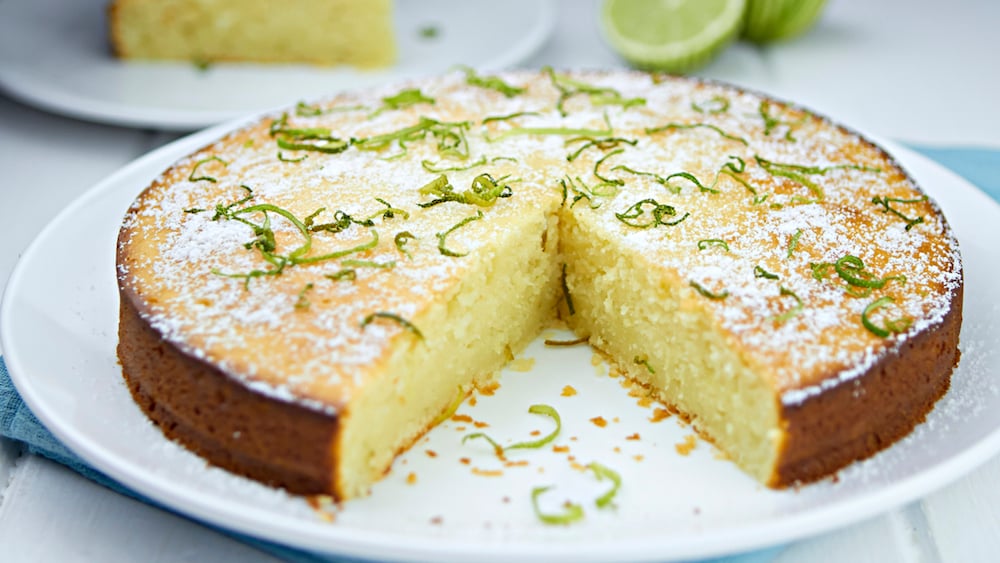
x: 497, y: 307
x: 637, y: 313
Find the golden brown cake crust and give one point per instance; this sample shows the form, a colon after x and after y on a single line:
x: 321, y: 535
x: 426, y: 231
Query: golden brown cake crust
x: 278, y: 443
x: 856, y: 420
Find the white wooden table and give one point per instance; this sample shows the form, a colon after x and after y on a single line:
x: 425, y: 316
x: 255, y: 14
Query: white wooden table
x: 917, y: 71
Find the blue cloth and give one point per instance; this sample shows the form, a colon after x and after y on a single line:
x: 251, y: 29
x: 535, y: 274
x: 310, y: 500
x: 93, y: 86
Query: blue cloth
x: 979, y: 166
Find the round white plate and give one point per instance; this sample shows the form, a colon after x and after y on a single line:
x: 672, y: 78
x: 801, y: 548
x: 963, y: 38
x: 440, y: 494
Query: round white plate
x: 58, y: 325
x: 54, y: 54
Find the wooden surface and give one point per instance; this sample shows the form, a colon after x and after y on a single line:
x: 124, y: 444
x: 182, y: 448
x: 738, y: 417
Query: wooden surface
x: 919, y: 71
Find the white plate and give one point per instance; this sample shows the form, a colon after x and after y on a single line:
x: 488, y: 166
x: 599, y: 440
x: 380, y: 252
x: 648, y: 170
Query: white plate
x: 58, y: 326
x: 54, y: 54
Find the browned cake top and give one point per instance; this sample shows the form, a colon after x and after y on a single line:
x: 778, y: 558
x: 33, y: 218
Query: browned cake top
x: 787, y: 227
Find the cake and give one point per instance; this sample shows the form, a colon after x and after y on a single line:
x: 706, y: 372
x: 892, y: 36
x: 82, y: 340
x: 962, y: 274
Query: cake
x: 305, y: 297
x: 320, y: 32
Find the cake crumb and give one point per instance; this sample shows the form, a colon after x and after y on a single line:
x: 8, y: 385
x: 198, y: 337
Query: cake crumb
x: 644, y: 402
x: 505, y: 500
x: 522, y: 364
x: 472, y: 400
x: 578, y: 466
x: 459, y: 429
x: 617, y: 450
x: 632, y: 436
x: 638, y: 457
x: 411, y: 479
x: 599, y: 421
x: 461, y: 418
x: 437, y: 520
x: 480, y: 424
x: 488, y: 389
x: 464, y: 460
x: 616, y: 420
x: 689, y: 443
x: 431, y: 453
x: 519, y: 463
x: 568, y: 391
x: 560, y: 449
x: 659, y: 414
x: 596, y: 360
x: 487, y: 472
x: 536, y: 432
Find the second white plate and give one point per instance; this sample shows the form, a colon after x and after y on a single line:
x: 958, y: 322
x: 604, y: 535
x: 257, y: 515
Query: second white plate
x: 54, y: 54
x: 449, y: 501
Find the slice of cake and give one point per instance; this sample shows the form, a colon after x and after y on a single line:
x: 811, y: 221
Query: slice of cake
x: 302, y: 299
x: 321, y: 32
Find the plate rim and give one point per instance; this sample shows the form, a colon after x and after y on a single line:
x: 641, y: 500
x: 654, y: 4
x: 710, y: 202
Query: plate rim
x: 351, y: 541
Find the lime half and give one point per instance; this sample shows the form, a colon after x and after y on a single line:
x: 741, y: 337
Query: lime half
x: 775, y: 20
x: 670, y: 35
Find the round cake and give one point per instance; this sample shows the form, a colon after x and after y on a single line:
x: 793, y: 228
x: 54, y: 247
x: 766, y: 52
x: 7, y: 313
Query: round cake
x: 304, y: 298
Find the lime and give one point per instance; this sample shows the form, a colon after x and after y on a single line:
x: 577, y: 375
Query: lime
x: 670, y: 35
x: 775, y: 20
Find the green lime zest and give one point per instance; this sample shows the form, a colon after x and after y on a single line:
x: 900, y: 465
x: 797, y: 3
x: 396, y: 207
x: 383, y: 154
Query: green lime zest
x: 706, y: 293
x: 565, y: 290
x: 795, y: 310
x: 341, y: 221
x: 368, y: 264
x: 602, y: 472
x: 685, y: 126
x: 759, y: 272
x: 389, y: 213
x: 568, y: 131
x: 436, y: 168
x: 710, y: 242
x: 490, y: 83
x: 571, y: 513
x: 341, y: 275
x: 303, y: 302
x: 544, y: 410
x: 407, y: 325
x: 340, y: 253
x: 303, y: 109
x: 197, y: 165
x: 643, y: 360
x: 799, y: 172
x: 316, y: 139
x: 283, y: 158
x: 604, y: 144
x: 597, y: 167
x: 452, y: 407
x: 450, y: 137
x: 401, y: 239
x: 591, y: 193
x: 891, y: 326
x: 442, y: 236
x: 793, y: 243
x: 509, y: 116
x: 484, y: 191
x: 634, y: 215
x: 887, y: 208
x: 715, y: 104
x: 598, y: 95
x: 574, y: 342
x: 403, y: 100
x: 772, y: 121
